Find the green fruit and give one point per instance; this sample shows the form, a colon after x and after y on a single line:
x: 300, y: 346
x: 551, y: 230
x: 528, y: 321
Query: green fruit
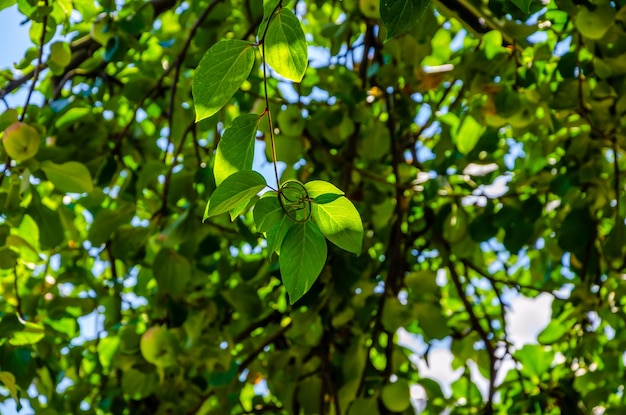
x: 21, y: 141
x: 370, y: 8
x: 396, y: 396
x: 524, y: 117
x: 158, y: 346
x: 595, y: 23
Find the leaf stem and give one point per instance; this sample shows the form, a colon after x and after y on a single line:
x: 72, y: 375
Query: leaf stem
x: 265, y: 92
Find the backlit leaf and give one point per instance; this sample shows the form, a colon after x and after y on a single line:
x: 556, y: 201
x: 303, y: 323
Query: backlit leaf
x: 340, y: 223
x: 285, y: 46
x: 469, y: 133
x: 69, y: 177
x: 219, y: 75
x: 235, y: 150
x: 233, y: 191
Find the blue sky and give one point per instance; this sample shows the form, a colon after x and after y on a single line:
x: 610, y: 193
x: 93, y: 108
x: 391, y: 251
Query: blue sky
x: 16, y: 41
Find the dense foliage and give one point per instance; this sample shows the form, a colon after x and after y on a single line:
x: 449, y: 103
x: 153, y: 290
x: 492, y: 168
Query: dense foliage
x: 418, y: 164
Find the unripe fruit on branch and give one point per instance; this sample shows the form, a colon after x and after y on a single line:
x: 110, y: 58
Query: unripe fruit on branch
x: 21, y: 141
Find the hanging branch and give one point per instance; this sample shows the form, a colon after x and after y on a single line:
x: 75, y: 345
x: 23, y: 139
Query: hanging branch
x: 177, y: 66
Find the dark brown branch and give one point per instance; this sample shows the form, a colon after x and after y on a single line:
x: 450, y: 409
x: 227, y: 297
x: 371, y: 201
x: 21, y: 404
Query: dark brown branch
x: 42, y: 42
x: 482, y: 333
x: 244, y: 364
x: 351, y: 147
x: 177, y: 65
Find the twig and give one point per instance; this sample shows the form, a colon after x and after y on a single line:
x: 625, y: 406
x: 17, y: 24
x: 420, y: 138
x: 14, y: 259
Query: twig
x: 482, y: 333
x: 177, y: 65
x: 18, y: 305
x: 351, y: 147
x: 243, y: 365
x: 166, y: 184
x: 265, y: 92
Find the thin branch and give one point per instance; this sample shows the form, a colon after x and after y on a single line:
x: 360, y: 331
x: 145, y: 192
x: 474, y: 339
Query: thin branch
x: 166, y: 184
x: 42, y: 42
x: 177, y: 65
x: 351, y: 147
x: 328, y: 379
x: 617, y: 188
x: 395, y: 248
x: 482, y: 333
x: 243, y: 365
x: 18, y: 305
x: 265, y: 92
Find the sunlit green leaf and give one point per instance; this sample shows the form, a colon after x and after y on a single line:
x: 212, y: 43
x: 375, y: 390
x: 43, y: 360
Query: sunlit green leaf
x: 8, y: 381
x: 316, y: 188
x: 70, y: 177
x: 219, y: 75
x: 285, y: 46
x: 468, y: 134
x: 535, y: 359
x: 6, y: 3
x: 31, y: 333
x: 235, y: 150
x: 340, y: 223
x: 233, y: 191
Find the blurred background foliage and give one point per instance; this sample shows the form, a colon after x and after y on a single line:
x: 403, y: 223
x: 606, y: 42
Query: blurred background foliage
x: 484, y: 150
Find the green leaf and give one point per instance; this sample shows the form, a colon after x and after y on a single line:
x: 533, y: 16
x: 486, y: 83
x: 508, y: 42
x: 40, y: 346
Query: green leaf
x: 318, y: 188
x: 8, y: 381
x: 31, y: 333
x: 302, y: 258
x: 6, y: 3
x: 171, y: 271
x: 492, y: 44
x: 235, y: 151
x: 524, y: 5
x: 268, y: 212
x: 469, y: 133
x: 138, y: 384
x: 277, y: 233
x: 233, y: 191
x: 269, y: 6
x: 554, y: 331
x: 340, y: 223
x: 107, y: 221
x: 219, y: 75
x: 8, y: 257
x: 399, y: 16
x: 60, y: 55
x: 51, y: 232
x: 285, y: 46
x: 535, y: 359
x: 69, y: 177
